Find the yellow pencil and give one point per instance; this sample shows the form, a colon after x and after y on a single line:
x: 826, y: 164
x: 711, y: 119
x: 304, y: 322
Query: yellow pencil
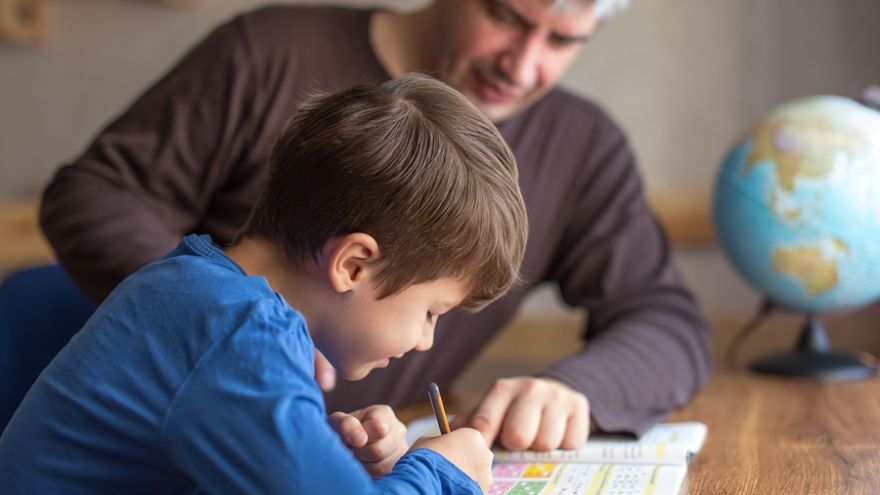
x: 437, y: 405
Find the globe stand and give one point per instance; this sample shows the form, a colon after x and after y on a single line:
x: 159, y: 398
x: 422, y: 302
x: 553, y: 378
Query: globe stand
x: 813, y: 357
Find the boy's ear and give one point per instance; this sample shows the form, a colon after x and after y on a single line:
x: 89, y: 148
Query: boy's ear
x: 351, y: 260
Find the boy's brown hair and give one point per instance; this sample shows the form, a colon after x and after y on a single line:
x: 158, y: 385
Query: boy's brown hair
x: 411, y: 163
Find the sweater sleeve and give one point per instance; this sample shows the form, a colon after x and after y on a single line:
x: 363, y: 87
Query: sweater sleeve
x: 148, y: 177
x: 648, y: 345
x: 250, y: 419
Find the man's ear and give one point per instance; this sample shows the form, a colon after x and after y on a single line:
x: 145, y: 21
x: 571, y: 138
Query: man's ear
x: 351, y: 261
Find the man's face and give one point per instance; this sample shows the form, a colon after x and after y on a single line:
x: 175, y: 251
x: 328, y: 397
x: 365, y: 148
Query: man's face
x: 505, y: 54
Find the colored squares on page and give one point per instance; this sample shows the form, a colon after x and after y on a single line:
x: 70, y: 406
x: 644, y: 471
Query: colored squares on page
x: 527, y: 488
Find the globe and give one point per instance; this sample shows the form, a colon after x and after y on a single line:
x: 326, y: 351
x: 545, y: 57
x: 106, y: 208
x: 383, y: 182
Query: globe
x: 797, y: 205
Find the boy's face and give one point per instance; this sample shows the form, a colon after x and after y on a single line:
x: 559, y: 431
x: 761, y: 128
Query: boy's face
x: 503, y: 55
x: 365, y: 332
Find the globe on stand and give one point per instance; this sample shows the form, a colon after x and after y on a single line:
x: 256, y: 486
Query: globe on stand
x: 797, y: 212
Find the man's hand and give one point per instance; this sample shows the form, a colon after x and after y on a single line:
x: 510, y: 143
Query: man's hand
x: 375, y: 436
x: 325, y: 373
x: 531, y: 413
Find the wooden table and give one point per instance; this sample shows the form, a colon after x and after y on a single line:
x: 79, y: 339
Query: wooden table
x: 779, y: 436
x: 774, y: 435
x: 767, y: 435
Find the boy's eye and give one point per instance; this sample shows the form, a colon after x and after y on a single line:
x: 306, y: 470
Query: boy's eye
x: 430, y: 316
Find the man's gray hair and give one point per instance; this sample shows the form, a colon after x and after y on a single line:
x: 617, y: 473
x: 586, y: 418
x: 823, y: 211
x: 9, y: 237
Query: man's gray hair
x: 602, y: 9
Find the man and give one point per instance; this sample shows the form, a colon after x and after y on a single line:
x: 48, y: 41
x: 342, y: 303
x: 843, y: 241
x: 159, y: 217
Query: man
x: 190, y: 154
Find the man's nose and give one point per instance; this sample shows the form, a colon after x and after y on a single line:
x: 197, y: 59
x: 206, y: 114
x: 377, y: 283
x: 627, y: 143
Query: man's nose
x: 521, y: 63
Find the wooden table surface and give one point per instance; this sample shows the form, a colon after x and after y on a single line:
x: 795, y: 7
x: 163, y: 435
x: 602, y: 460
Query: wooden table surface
x: 775, y: 435
x: 779, y: 436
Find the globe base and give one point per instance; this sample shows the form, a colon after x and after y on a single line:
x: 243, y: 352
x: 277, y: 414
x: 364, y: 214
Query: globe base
x: 829, y: 366
x: 814, y: 358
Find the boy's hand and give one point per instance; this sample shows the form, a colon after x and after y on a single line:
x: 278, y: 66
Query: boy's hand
x: 375, y: 436
x: 531, y: 413
x: 325, y: 373
x: 466, y: 448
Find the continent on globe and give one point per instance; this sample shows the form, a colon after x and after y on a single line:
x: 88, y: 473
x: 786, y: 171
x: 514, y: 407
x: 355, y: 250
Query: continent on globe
x: 809, y: 266
x: 805, y: 147
x: 796, y: 205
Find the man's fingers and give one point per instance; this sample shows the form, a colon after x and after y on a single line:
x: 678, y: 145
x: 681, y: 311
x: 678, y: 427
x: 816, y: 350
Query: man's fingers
x: 487, y: 417
x: 325, y: 374
x: 578, y: 426
x: 532, y: 413
x: 349, y: 429
x: 551, y: 430
x: 522, y: 422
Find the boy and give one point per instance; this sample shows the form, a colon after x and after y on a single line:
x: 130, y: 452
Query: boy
x: 385, y: 208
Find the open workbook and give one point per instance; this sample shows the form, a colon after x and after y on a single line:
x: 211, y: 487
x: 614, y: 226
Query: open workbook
x: 655, y: 464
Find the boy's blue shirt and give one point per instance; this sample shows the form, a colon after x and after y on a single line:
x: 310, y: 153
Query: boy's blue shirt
x: 193, y: 376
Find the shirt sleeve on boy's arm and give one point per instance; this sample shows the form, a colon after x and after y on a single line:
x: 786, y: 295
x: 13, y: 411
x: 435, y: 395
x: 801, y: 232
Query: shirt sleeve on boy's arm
x: 250, y: 419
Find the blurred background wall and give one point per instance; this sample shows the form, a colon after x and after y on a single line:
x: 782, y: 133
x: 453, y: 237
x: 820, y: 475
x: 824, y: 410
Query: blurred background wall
x: 684, y: 78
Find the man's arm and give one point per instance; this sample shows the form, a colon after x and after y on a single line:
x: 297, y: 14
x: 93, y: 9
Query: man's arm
x: 647, y: 349
x: 149, y: 176
x: 648, y: 344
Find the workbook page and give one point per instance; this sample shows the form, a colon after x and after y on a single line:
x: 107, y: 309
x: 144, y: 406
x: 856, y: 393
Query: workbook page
x: 511, y: 478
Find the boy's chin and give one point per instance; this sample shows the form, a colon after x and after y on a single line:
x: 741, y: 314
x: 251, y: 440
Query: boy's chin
x: 356, y: 374
x: 361, y: 372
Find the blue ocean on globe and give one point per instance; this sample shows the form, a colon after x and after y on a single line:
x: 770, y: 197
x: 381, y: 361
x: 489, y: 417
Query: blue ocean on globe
x: 797, y: 205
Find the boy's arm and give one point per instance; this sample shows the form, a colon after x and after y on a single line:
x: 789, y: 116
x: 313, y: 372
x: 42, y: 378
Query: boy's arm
x: 250, y: 419
x: 149, y: 176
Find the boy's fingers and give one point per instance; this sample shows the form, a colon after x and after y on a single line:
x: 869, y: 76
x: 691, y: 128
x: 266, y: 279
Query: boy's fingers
x: 349, y: 429
x: 378, y: 450
x: 458, y: 421
x: 376, y: 428
x: 325, y: 374
x: 379, y: 421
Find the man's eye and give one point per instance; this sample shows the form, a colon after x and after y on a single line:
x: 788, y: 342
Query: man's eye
x: 430, y: 316
x: 562, y: 42
x: 500, y: 13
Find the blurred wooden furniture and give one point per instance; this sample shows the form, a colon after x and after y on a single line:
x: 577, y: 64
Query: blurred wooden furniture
x: 685, y: 216
x: 22, y: 243
x: 23, y: 21
x: 783, y: 435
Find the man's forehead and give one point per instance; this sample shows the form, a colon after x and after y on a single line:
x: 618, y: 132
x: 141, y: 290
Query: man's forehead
x: 566, y: 16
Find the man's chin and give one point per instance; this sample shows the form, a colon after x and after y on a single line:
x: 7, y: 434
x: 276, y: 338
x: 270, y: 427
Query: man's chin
x: 497, y: 112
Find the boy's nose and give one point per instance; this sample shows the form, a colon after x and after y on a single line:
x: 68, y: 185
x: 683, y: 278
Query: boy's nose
x: 427, y: 339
